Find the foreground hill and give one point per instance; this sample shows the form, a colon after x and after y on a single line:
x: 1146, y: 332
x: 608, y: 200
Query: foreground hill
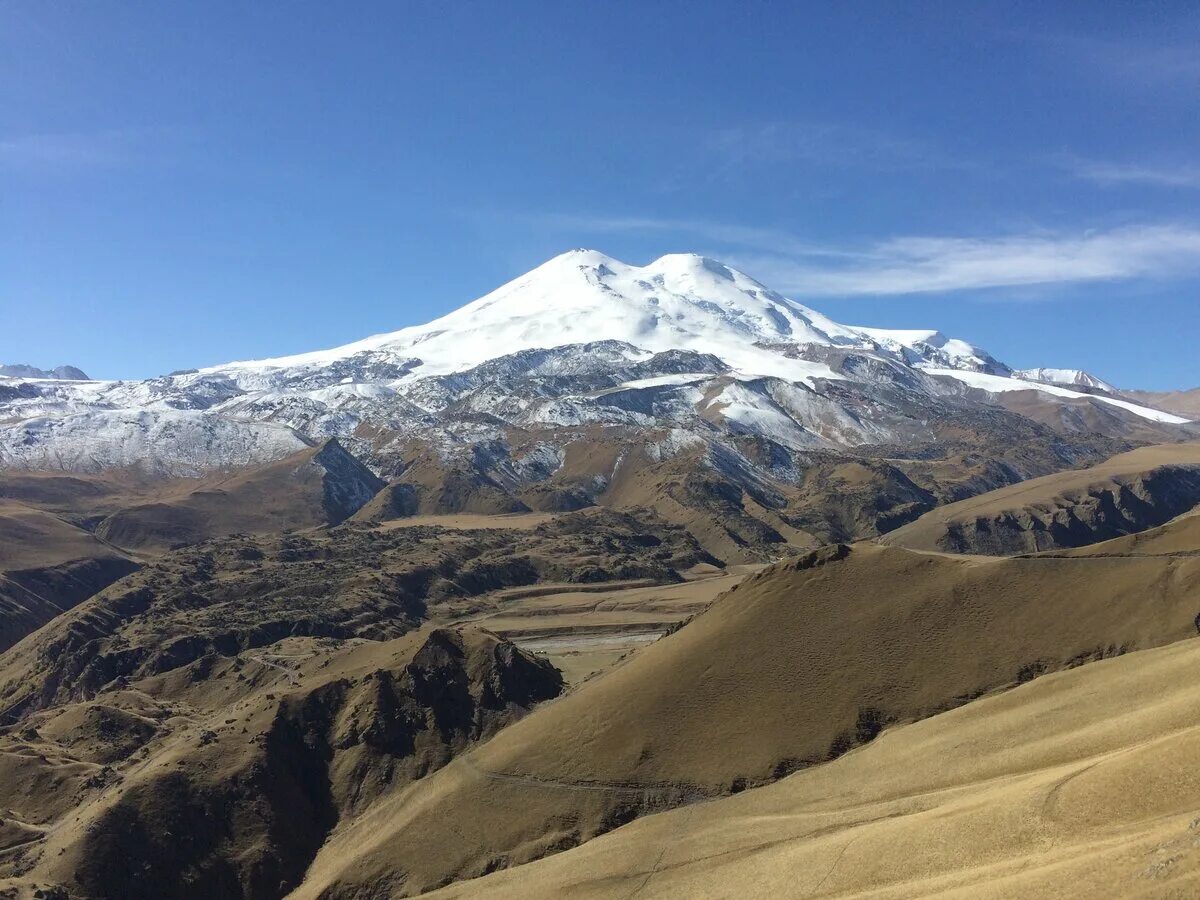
x: 1126, y: 494
x: 1078, y: 784
x: 199, y: 727
x: 248, y: 669
x: 791, y: 669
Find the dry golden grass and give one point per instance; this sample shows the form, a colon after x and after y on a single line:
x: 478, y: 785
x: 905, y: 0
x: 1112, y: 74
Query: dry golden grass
x: 200, y: 777
x: 1079, y: 784
x: 31, y: 538
x: 794, y: 666
x: 47, y: 565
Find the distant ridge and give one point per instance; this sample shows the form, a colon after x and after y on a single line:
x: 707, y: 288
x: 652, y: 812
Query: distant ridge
x: 59, y: 373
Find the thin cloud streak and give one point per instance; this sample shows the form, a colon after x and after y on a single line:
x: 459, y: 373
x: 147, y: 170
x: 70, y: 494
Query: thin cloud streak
x: 919, y: 265
x: 69, y: 151
x: 832, y: 145
x: 1150, y: 64
x: 1137, y: 62
x: 74, y: 149
x: 922, y: 265
x: 1134, y: 173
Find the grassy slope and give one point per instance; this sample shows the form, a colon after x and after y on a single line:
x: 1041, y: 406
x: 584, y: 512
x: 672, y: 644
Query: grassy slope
x: 792, y: 668
x: 1079, y: 784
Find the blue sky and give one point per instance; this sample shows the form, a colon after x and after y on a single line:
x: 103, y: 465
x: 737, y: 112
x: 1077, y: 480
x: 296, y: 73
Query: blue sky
x: 183, y: 184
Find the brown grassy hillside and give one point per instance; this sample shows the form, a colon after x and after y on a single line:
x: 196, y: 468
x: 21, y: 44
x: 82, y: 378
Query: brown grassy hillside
x: 223, y: 778
x: 794, y: 667
x: 47, y: 566
x: 1079, y: 784
x: 317, y: 486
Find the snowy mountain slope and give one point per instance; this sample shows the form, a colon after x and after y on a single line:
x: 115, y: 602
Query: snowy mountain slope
x: 583, y: 341
x: 1066, y: 378
x: 677, y: 302
x: 997, y: 385
x: 168, y: 443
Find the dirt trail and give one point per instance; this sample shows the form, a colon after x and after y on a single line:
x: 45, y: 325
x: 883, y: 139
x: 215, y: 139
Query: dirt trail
x: 293, y: 675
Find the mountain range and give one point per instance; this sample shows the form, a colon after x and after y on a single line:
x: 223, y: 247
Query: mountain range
x: 682, y: 383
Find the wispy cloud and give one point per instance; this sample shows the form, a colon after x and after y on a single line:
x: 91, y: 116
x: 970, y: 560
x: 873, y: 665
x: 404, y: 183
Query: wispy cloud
x: 64, y: 151
x: 924, y: 264
x: 912, y: 265
x: 1185, y: 176
x: 833, y: 145
x: 1150, y: 64
x: 1140, y: 62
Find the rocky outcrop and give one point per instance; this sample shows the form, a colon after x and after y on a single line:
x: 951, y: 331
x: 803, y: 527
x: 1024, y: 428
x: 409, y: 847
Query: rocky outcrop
x: 1126, y: 494
x: 1131, y: 506
x: 225, y: 597
x: 245, y: 805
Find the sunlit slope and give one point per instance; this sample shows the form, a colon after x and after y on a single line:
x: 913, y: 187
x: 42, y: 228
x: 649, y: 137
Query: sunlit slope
x: 795, y: 666
x: 316, y: 486
x: 47, y: 565
x: 1079, y: 784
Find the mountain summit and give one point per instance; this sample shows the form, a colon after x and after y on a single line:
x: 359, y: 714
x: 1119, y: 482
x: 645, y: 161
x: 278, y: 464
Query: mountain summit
x: 681, y: 301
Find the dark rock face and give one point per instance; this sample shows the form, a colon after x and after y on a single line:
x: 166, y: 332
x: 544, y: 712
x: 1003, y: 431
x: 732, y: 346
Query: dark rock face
x: 347, y: 485
x: 1133, y: 505
x: 251, y: 830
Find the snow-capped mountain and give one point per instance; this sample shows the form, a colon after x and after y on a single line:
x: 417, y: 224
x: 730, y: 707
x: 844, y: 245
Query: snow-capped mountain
x: 684, y: 346
x: 678, y: 302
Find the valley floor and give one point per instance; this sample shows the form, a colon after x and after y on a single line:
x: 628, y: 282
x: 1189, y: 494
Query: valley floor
x: 583, y: 632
